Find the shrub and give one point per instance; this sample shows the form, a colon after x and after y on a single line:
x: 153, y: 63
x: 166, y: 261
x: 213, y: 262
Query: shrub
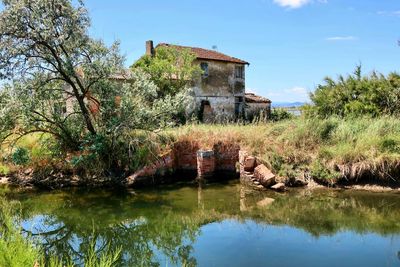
x: 320, y: 172
x: 20, y: 156
x: 279, y: 114
x: 356, y: 95
x: 4, y: 170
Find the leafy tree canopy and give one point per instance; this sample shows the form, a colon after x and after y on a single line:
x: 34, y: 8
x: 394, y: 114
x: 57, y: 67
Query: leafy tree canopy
x: 171, y: 69
x: 355, y: 95
x: 52, y: 63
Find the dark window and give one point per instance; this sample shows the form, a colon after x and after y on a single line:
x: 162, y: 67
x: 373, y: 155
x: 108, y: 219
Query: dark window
x: 239, y: 72
x: 238, y: 106
x: 238, y: 99
x: 204, y: 68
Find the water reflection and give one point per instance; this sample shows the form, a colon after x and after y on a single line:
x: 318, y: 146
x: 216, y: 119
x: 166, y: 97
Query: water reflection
x: 167, y: 226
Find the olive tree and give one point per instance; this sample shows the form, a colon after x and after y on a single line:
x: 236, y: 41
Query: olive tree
x: 49, y: 60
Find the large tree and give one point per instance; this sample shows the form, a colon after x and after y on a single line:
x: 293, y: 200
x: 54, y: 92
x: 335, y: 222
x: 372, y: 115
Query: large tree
x: 50, y: 60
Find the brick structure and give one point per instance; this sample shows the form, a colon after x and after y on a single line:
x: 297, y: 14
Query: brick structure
x: 185, y: 155
x: 264, y: 175
x: 185, y: 161
x: 226, y: 156
x: 205, y: 163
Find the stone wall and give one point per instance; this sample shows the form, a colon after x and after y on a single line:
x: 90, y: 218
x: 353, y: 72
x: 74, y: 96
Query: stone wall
x: 185, y: 155
x: 220, y: 89
x: 256, y: 109
x: 226, y: 156
x: 187, y: 160
x: 205, y: 163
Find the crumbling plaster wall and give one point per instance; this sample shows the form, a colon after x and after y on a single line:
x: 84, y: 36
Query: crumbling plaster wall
x: 219, y: 88
x: 254, y: 109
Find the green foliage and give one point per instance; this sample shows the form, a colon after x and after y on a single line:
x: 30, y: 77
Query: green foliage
x: 355, y: 148
x: 18, y: 250
x: 356, y: 95
x: 20, y: 156
x: 171, y: 69
x: 61, y: 85
x: 279, y: 114
x: 108, y: 257
x: 4, y: 170
x: 320, y: 172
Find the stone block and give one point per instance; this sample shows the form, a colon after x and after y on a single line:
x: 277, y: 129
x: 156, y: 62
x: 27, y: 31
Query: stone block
x: 264, y: 175
x: 279, y: 187
x: 205, y: 163
x: 249, y: 164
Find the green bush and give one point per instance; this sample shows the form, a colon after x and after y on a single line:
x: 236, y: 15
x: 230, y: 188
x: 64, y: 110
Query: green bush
x: 320, y: 172
x: 20, y: 156
x: 356, y: 95
x: 279, y: 114
x: 4, y: 170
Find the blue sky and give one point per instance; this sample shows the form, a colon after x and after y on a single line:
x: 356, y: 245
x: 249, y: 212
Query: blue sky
x: 291, y: 44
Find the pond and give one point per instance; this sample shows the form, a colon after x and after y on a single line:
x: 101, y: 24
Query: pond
x: 225, y: 224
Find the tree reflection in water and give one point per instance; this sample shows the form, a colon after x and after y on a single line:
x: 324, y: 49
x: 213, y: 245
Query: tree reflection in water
x: 158, y: 227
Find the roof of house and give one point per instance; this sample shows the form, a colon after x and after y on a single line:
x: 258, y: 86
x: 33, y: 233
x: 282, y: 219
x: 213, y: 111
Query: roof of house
x: 252, y: 98
x: 202, y: 53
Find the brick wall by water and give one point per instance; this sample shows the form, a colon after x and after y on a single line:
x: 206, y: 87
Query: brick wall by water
x: 226, y: 156
x: 205, y: 163
x: 185, y: 155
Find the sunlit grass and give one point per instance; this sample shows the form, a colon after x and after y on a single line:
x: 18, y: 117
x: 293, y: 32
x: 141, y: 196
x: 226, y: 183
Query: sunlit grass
x: 358, y: 145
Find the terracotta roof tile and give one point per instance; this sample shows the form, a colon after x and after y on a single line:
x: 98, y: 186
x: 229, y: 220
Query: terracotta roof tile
x: 252, y: 98
x: 202, y: 53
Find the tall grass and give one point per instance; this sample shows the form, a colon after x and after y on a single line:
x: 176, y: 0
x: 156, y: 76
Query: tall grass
x: 333, y: 148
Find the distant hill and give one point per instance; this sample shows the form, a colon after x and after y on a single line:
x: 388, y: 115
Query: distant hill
x: 287, y: 104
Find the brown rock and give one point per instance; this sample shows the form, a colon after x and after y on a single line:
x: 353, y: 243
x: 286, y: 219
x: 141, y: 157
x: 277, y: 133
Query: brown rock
x: 242, y: 157
x: 279, y: 187
x: 264, y: 175
x: 249, y: 163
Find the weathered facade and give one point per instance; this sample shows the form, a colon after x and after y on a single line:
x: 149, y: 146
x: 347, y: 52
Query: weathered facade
x: 257, y: 106
x: 220, y: 91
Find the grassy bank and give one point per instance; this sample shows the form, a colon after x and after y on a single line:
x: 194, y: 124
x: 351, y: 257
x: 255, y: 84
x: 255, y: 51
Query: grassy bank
x: 329, y: 150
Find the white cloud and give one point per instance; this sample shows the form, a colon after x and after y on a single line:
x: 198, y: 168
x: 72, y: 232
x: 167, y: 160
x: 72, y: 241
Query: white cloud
x: 292, y: 3
x: 297, y: 3
x: 395, y: 13
x: 252, y: 90
x: 341, y: 38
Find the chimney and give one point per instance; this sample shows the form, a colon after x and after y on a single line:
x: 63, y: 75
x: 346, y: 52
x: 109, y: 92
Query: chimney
x: 149, y: 48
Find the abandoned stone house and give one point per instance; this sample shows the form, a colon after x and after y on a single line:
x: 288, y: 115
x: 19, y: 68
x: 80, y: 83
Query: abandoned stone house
x: 220, y: 91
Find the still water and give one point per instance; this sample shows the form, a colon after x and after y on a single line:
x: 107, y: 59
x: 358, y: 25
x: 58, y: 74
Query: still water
x: 219, y: 225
